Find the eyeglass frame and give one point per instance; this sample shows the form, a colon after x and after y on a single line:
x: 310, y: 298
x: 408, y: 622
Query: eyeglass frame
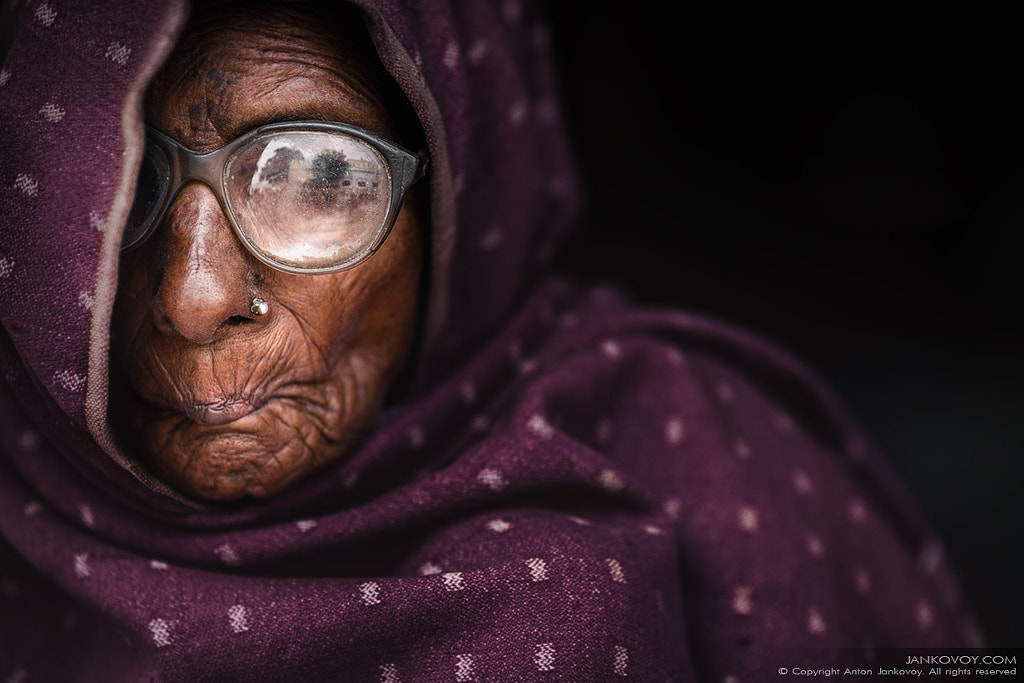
x: 404, y: 168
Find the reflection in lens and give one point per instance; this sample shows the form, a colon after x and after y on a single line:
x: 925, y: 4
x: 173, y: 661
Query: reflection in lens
x: 309, y: 200
x: 274, y: 166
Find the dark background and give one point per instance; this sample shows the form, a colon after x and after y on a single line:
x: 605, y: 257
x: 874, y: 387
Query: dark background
x: 850, y: 186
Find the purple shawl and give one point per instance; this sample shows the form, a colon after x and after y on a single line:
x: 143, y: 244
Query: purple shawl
x: 577, y: 490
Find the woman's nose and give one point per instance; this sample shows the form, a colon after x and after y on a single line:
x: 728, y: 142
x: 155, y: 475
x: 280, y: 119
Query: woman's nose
x: 204, y: 289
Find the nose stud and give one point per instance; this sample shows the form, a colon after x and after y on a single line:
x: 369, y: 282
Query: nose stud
x: 259, y: 306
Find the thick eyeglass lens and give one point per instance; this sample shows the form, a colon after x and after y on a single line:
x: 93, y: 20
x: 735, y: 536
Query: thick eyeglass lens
x: 309, y: 200
x: 149, y: 195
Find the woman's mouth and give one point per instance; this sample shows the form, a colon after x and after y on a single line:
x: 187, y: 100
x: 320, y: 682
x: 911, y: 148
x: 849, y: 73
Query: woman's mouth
x: 222, y: 411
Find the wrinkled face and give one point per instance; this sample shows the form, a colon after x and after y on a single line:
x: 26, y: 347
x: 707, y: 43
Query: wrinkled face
x: 220, y: 402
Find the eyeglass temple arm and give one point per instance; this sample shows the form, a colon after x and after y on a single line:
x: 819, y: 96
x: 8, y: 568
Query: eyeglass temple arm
x: 422, y: 163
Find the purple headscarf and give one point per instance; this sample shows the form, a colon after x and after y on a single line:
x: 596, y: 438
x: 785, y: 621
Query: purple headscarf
x: 577, y: 490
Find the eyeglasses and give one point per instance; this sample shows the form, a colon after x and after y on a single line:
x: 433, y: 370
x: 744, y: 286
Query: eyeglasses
x: 302, y: 196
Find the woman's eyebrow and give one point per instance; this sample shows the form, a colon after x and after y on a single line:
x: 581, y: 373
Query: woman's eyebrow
x: 302, y: 114
x: 357, y: 108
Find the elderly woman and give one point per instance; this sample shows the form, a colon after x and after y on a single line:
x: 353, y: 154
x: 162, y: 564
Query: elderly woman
x: 290, y: 395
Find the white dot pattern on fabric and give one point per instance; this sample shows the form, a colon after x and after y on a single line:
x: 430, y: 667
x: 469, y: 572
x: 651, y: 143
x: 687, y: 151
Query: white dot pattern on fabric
x: 931, y: 556
x: 748, y: 519
x: 477, y: 52
x: 492, y: 479
x: 528, y: 366
x: 82, y: 569
x: 228, y: 555
x: 26, y: 184
x: 540, y: 427
x: 5, y: 75
x: 96, y: 221
x: 673, y: 507
x: 615, y: 568
x: 924, y: 614
x: 857, y: 512
x: 416, y: 437
x: 544, y: 657
x: 511, y: 10
x: 118, y: 53
x: 71, y: 381
x: 610, y: 481
x: 675, y: 431
x: 451, y: 55
x: 782, y: 423
x: 675, y: 358
x: 45, y: 14
x: 86, y: 515
x: 815, y: 547
x: 85, y: 300
x: 742, y: 600
x: 816, y: 623
x: 659, y: 601
x: 161, y: 632
x: 620, y: 661
x: 802, y: 483
x: 158, y: 565
x: 611, y: 349
x: 464, y: 668
x: 498, y: 526
x: 28, y: 440
x: 491, y: 239
x: 862, y: 579
x: 6, y: 266
x: 653, y: 530
x: 52, y: 112
x: 32, y: 509
x: 305, y: 525
x: 742, y: 449
x: 453, y: 581
x: 429, y: 569
x: 369, y: 593
x: 579, y: 520
x: 389, y: 673
x: 238, y: 618
x: 538, y: 569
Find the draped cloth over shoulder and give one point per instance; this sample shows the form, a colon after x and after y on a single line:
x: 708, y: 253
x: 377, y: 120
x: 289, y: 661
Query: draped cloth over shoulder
x: 574, y: 489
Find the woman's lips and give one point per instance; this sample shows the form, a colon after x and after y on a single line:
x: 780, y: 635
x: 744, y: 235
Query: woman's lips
x: 221, y: 412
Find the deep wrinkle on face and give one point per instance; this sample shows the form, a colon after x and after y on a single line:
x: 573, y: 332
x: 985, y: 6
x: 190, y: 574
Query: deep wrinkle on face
x: 223, y: 403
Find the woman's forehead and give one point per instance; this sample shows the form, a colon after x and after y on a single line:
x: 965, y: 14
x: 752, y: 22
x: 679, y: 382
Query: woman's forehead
x: 233, y: 71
